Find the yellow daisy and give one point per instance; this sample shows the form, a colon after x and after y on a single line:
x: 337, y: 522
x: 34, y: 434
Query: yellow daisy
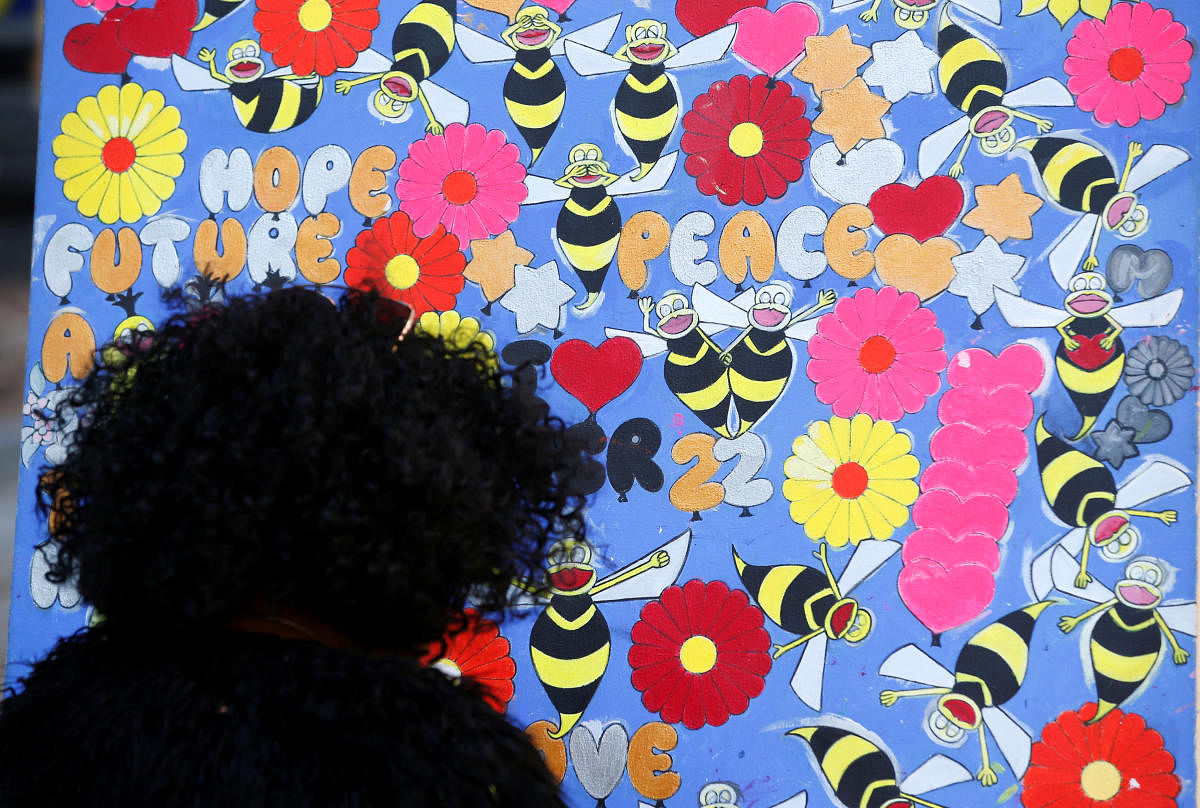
x: 1064, y: 10
x: 119, y: 153
x: 460, y: 332
x: 850, y: 479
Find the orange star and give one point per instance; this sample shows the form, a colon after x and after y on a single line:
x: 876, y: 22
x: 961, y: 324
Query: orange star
x: 493, y: 263
x: 851, y: 114
x: 1004, y: 211
x: 830, y: 61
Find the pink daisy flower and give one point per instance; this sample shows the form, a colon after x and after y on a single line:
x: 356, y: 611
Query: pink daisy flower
x: 1129, y: 66
x: 467, y: 179
x: 877, y: 353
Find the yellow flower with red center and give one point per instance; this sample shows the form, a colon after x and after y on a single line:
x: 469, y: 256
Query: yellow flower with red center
x: 850, y: 479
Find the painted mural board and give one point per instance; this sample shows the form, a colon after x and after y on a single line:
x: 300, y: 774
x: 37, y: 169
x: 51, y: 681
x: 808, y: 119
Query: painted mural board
x: 880, y: 318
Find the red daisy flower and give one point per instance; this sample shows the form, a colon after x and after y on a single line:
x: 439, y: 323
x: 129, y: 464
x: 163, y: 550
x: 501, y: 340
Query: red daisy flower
x: 746, y: 140
x: 699, y: 654
x: 1115, y: 763
x: 477, y: 652
x: 315, y: 36
x: 426, y: 273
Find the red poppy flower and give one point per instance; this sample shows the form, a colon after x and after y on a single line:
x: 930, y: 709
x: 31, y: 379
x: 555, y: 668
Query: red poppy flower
x: 699, y: 654
x: 1115, y: 763
x: 315, y: 36
x: 478, y: 652
x: 426, y: 273
x: 746, y: 140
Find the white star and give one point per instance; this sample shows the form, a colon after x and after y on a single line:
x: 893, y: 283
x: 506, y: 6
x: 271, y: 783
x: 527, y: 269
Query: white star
x: 901, y: 66
x: 977, y: 274
x: 538, y: 298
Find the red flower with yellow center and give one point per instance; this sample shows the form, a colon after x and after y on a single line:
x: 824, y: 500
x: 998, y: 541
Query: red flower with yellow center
x: 426, y: 273
x: 476, y: 651
x: 316, y: 36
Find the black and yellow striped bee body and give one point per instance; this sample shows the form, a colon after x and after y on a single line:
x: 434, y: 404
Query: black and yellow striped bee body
x: 798, y: 598
x: 423, y: 40
x: 759, y: 371
x: 646, y: 109
x: 588, y: 229
x: 1125, y: 646
x: 1077, y: 175
x: 215, y: 10
x: 859, y: 772
x: 1079, y: 488
x: 971, y: 72
x: 569, y: 646
x: 991, y: 666
x: 696, y: 376
x: 1089, y: 372
x: 535, y: 94
x: 272, y: 104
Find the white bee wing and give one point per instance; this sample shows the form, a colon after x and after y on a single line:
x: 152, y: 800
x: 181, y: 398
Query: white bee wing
x: 480, y: 48
x: 744, y: 300
x: 1070, y: 248
x: 715, y: 309
x: 542, y: 190
x: 447, y: 106
x: 795, y: 801
x: 597, y: 36
x: 912, y: 664
x: 1021, y: 313
x: 988, y: 9
x: 1046, y: 92
x: 1151, y: 481
x: 838, y: 5
x: 937, y: 772
x: 1157, y: 160
x: 810, y: 672
x: 868, y: 557
x: 711, y: 47
x: 587, y: 61
x: 369, y: 61
x: 656, y: 180
x: 1064, y: 568
x: 1180, y: 617
x: 935, y: 148
x: 651, y: 582
x: 1040, y: 574
x: 1156, y: 311
x: 649, y: 344
x: 1014, y: 742
x: 194, y: 77
x: 805, y: 329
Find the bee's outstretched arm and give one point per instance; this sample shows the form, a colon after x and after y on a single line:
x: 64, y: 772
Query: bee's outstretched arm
x: 780, y: 650
x: 889, y: 697
x: 823, y: 554
x: 825, y: 299
x: 956, y: 168
x: 1111, y: 337
x: 646, y: 304
x: 871, y: 14
x: 344, y: 86
x: 209, y: 56
x: 1091, y: 262
x: 1082, y: 578
x: 725, y: 353
x: 434, y: 126
x: 1069, y: 342
x: 986, y: 775
x: 1166, y: 517
x: 1180, y: 656
x: 1043, y: 125
x: 1067, y: 624
x: 1135, y: 151
x: 660, y: 559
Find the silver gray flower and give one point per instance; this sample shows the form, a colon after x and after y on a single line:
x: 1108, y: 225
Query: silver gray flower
x: 1159, y: 370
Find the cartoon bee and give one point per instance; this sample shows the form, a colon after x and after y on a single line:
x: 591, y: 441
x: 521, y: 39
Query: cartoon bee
x: 860, y: 774
x: 1090, y: 355
x: 1126, y: 641
x: 589, y: 224
x: 421, y: 45
x: 646, y: 108
x: 693, y: 369
x: 569, y: 643
x: 719, y: 795
x: 263, y: 102
x: 813, y: 604
x: 760, y: 358
x: 1080, y: 177
x: 1082, y: 493
x: 534, y: 90
x: 974, y: 78
x: 215, y: 10
x: 989, y: 671
x: 913, y: 14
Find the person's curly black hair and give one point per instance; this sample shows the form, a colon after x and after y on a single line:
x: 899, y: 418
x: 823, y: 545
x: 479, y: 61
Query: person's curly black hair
x: 285, y: 452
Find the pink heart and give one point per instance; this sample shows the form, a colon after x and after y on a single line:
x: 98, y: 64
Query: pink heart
x: 965, y: 443
x: 965, y: 479
x: 771, y: 40
x: 956, y: 517
x: 943, y: 597
x: 932, y: 544
x: 1005, y: 406
x: 1017, y: 364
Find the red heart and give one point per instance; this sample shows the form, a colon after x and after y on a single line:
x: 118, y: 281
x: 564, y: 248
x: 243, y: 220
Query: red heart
x: 162, y: 30
x: 597, y: 375
x: 702, y: 17
x: 944, y: 597
x: 94, y: 47
x: 922, y: 212
x: 1089, y: 355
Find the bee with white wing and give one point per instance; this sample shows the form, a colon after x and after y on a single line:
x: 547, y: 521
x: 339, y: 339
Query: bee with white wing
x: 913, y: 14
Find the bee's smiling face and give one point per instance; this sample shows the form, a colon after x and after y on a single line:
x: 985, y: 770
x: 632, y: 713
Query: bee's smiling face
x: 531, y: 30
x: 772, y: 307
x: 1087, y: 296
x: 676, y: 317
x: 398, y: 86
x: 587, y: 168
x: 569, y: 570
x: 646, y: 43
x: 1143, y: 584
x: 244, y: 62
